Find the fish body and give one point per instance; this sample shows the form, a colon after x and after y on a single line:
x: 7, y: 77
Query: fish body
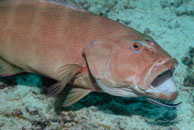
x: 43, y: 37
x: 76, y: 47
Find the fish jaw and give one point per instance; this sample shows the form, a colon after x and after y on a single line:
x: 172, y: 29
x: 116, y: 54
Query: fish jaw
x: 153, y: 84
x: 122, y: 91
x: 165, y: 90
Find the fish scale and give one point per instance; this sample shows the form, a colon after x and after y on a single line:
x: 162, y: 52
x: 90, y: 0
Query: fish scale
x: 60, y: 40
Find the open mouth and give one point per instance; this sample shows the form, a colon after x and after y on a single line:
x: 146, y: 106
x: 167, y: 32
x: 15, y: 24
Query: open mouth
x: 162, y: 81
x: 163, y: 87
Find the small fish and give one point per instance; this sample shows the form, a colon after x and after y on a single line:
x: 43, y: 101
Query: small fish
x: 63, y: 41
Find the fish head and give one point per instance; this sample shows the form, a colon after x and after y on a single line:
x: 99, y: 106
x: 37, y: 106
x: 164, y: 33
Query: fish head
x: 132, y: 65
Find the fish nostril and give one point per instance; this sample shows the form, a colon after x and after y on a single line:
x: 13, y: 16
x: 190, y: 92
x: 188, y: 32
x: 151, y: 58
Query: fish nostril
x: 160, y: 62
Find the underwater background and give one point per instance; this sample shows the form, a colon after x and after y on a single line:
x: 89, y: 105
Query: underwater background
x: 25, y: 105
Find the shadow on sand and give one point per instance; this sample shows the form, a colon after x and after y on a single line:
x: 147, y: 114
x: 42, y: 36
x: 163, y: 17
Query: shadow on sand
x: 153, y: 114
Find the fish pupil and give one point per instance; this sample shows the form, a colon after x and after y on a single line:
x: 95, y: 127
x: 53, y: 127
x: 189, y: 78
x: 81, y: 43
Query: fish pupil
x: 136, y: 46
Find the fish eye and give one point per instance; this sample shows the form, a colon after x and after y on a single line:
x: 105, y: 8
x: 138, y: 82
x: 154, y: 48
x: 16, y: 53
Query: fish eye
x: 137, y: 46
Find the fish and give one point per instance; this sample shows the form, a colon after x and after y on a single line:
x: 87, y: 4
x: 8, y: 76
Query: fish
x: 61, y: 40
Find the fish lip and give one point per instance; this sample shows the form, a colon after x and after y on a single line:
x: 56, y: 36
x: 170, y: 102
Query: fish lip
x: 165, y: 93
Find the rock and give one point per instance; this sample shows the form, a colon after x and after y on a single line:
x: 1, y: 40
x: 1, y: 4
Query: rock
x: 188, y: 60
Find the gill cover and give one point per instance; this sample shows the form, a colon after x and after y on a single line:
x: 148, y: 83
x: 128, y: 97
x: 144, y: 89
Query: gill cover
x: 97, y: 54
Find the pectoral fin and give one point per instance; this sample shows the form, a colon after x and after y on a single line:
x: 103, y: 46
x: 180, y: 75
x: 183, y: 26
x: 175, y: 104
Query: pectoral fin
x: 75, y: 95
x: 66, y: 74
x: 7, y: 69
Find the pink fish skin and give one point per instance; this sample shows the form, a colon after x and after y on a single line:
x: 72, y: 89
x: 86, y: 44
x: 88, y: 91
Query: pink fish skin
x: 75, y: 47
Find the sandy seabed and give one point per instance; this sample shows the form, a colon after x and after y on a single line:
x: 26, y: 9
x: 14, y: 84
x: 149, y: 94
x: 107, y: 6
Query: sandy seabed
x: 169, y: 22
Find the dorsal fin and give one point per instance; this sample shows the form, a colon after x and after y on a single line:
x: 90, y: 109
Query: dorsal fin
x: 68, y: 4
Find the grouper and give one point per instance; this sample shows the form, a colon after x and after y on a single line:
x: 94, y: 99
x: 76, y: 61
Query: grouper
x: 63, y: 41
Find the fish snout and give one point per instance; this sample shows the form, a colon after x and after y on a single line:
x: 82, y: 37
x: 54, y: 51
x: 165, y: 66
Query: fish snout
x: 168, y: 62
x: 163, y: 87
x: 157, y: 80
